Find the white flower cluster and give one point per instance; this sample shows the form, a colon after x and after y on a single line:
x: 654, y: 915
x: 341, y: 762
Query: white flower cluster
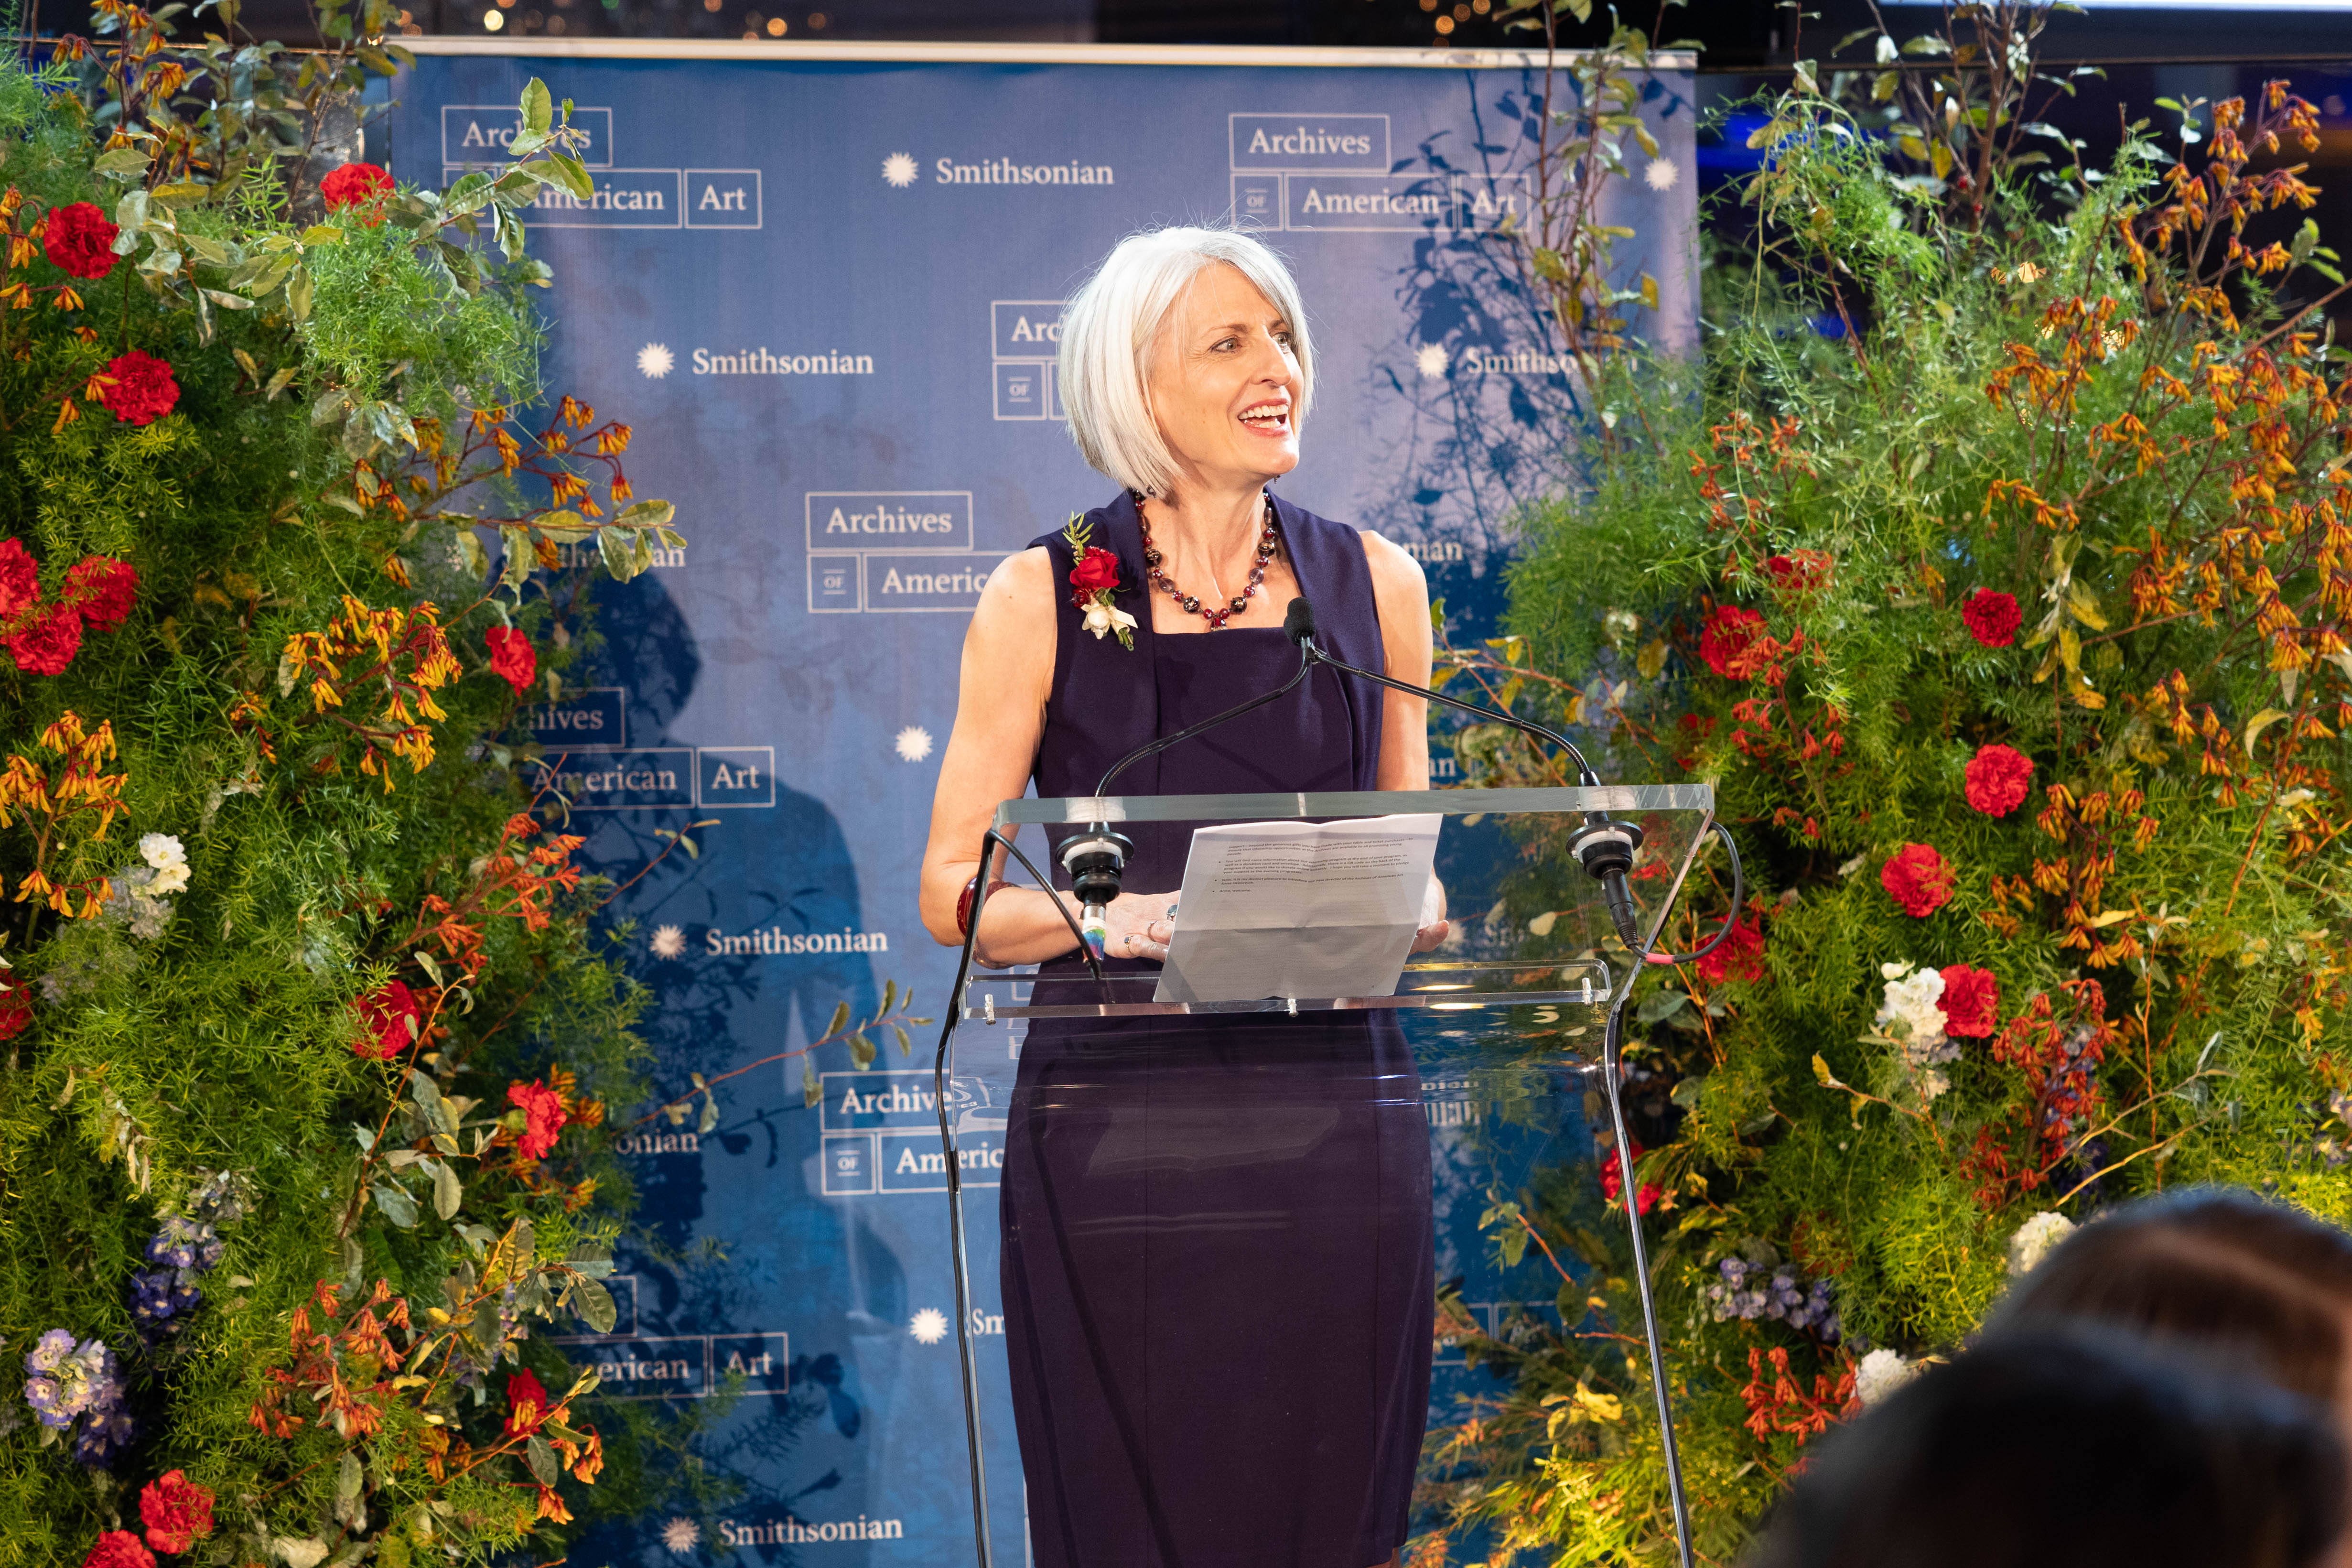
x: 1881, y: 1372
x: 141, y: 891
x: 1913, y: 1017
x: 2034, y: 1239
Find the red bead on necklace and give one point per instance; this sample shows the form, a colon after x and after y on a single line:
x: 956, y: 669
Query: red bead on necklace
x: 1268, y: 541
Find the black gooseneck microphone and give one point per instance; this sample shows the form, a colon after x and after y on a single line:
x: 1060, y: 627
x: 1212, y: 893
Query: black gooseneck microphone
x: 1604, y: 848
x: 1096, y: 857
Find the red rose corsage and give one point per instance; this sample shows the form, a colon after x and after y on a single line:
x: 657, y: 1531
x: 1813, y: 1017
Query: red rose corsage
x: 1093, y: 579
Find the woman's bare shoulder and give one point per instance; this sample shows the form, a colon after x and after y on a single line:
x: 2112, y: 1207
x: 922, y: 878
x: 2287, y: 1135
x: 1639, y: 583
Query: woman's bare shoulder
x: 1021, y: 585
x: 1394, y: 570
x: 1016, y: 604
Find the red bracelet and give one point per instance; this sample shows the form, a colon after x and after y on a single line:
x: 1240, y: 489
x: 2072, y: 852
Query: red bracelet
x: 965, y: 902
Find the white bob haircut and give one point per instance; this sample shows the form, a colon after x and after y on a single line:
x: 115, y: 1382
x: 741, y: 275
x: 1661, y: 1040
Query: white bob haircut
x: 1112, y: 326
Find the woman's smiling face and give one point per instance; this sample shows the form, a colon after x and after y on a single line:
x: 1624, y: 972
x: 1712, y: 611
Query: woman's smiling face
x: 1223, y: 381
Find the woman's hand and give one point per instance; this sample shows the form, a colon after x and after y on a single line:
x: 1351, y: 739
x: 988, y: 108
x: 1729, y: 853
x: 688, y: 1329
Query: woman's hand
x: 1136, y: 925
x: 1434, y: 926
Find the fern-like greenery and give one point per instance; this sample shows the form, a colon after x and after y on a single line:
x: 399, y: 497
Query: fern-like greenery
x: 2009, y: 622
x: 306, y: 1034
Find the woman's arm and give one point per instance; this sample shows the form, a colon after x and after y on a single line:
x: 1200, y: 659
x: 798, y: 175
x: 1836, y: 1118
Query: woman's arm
x: 1007, y: 675
x: 1401, y: 594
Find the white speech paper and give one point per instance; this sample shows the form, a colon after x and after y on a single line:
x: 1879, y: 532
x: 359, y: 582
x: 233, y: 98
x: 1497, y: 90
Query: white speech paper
x: 1299, y: 908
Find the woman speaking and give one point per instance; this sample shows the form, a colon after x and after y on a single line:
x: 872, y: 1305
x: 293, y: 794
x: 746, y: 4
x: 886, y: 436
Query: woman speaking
x: 1216, y: 1246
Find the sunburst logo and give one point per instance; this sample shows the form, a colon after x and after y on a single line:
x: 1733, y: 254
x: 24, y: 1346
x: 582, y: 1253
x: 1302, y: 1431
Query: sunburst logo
x: 668, y: 941
x: 1430, y: 359
x: 930, y: 1327
x: 681, y: 1534
x: 1661, y: 174
x: 654, y: 360
x: 912, y: 744
x: 898, y: 171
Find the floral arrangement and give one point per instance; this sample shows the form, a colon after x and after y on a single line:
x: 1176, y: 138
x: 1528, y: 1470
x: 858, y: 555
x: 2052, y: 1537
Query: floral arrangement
x: 307, y: 1034
x: 2010, y: 625
x: 1094, y: 579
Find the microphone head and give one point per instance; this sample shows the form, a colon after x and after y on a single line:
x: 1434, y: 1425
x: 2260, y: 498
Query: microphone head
x: 1298, y: 624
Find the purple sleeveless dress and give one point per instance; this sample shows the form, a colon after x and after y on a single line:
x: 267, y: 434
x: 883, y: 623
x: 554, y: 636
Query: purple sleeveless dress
x: 1217, y: 1256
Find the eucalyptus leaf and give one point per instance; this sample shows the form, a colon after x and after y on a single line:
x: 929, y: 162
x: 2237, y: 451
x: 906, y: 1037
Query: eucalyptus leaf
x: 541, y: 1459
x: 646, y: 514
x: 1661, y: 1005
x: 447, y: 1193
x: 594, y: 1305
x: 520, y: 559
x: 397, y: 1205
x: 614, y: 546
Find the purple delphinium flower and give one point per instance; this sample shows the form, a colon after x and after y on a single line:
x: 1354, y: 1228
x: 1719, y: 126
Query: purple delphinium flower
x: 1749, y: 1291
x: 106, y: 1429
x: 184, y: 1244
x: 159, y: 1298
x: 65, y: 1376
x: 49, y: 1354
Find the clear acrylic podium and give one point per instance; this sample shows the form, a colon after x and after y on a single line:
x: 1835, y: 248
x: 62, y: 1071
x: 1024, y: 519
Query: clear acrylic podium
x: 1183, y: 1231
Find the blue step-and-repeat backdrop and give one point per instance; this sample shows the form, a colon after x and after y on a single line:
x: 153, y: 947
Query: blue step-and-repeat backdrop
x: 825, y: 290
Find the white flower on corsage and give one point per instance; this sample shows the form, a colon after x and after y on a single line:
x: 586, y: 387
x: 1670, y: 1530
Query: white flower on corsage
x: 1102, y: 618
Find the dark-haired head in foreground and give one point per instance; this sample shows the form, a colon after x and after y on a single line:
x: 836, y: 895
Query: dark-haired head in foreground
x: 2219, y: 1272
x: 2069, y: 1446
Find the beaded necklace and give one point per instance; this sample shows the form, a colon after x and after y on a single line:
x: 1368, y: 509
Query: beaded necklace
x: 1268, y: 541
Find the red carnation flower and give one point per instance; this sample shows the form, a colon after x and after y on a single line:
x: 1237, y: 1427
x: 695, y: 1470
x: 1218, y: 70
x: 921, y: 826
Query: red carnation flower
x: 392, y: 1018
x: 1917, y: 878
x: 528, y: 1401
x: 1798, y: 571
x: 1741, y: 956
x: 15, y: 1008
x: 118, y: 1549
x: 177, y: 1511
x: 542, y: 1116
x: 1992, y: 618
x: 1970, y: 1001
x: 144, y: 390
x: 512, y: 656
x: 1733, y: 643
x: 1095, y: 570
x: 80, y: 240
x: 103, y: 589
x: 353, y: 184
x: 20, y: 579
x: 1997, y: 779
x: 1612, y: 1181
x: 49, y: 643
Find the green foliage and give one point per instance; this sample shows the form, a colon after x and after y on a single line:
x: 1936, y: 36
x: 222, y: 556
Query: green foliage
x: 2085, y: 391
x: 286, y: 953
